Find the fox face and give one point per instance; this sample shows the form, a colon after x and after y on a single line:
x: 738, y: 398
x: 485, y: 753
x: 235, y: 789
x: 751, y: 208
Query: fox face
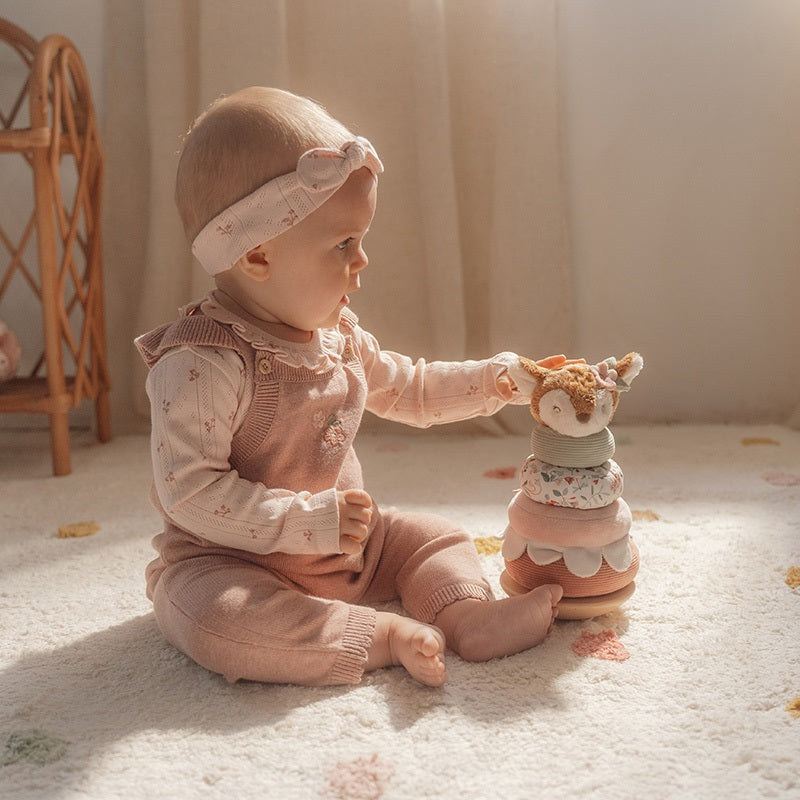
x: 579, y: 399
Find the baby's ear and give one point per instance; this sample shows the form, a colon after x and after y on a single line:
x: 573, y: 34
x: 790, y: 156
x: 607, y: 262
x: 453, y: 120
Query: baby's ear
x: 255, y: 263
x: 629, y: 367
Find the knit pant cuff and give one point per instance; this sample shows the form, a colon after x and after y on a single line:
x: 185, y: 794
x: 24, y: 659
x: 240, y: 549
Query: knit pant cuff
x: 356, y: 641
x: 428, y: 611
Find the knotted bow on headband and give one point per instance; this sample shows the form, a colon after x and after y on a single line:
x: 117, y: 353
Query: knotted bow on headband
x: 280, y: 203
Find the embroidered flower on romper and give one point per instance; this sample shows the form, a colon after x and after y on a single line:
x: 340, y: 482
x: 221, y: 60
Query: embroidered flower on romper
x: 333, y: 433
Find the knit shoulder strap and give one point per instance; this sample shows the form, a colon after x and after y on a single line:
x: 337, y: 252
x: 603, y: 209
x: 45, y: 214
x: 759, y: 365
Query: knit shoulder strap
x: 196, y: 329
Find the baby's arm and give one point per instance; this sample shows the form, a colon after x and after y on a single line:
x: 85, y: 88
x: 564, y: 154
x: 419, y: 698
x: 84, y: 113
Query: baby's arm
x: 430, y: 393
x: 197, y: 399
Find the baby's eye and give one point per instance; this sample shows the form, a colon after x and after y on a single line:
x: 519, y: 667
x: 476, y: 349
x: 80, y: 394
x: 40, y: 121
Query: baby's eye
x: 343, y: 245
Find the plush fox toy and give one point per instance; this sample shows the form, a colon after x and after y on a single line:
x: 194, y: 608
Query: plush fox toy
x: 568, y: 523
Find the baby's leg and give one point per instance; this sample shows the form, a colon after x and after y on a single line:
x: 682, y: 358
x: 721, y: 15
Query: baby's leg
x: 434, y: 568
x: 416, y: 646
x: 479, y: 631
x: 241, y: 621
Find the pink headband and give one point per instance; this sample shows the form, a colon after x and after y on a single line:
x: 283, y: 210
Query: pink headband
x: 280, y: 203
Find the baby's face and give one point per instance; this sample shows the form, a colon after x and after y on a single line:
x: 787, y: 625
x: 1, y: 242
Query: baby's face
x: 315, y: 265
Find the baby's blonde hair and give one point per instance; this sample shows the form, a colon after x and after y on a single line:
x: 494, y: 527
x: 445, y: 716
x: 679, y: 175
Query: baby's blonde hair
x: 242, y: 141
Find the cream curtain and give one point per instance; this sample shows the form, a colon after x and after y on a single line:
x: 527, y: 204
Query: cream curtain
x: 468, y: 251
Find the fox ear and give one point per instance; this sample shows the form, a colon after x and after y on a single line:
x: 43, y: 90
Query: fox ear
x: 629, y: 367
x: 533, y: 368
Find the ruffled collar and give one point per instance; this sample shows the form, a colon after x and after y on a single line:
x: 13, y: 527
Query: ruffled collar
x: 321, y: 354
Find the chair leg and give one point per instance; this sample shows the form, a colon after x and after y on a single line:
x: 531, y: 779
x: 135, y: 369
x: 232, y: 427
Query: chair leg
x: 102, y: 410
x: 59, y: 443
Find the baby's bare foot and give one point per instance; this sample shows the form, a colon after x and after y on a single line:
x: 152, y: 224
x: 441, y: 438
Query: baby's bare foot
x: 480, y: 631
x: 412, y: 644
x: 419, y: 648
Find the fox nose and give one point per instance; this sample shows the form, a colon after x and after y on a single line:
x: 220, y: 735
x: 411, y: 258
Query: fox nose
x: 583, y: 417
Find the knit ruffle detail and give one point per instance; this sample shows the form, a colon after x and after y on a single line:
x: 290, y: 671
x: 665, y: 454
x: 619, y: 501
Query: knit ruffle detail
x: 356, y: 641
x: 319, y: 355
x: 443, y: 597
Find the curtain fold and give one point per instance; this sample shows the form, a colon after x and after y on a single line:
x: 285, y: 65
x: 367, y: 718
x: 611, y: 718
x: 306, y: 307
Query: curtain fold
x: 468, y: 250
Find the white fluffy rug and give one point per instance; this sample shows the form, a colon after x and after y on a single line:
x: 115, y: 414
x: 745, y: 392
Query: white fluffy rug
x: 692, y: 690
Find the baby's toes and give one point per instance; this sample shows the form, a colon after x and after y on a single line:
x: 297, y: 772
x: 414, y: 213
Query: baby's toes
x: 429, y: 641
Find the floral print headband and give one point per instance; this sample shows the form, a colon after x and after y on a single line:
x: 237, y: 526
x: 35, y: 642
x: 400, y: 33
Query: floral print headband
x: 280, y: 203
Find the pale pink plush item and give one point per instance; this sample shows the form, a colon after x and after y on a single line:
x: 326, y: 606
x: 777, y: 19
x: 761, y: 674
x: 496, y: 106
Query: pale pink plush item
x: 10, y: 352
x: 569, y: 527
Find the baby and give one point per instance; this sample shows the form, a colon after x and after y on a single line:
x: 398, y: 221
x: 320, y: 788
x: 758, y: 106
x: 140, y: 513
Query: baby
x: 273, y: 557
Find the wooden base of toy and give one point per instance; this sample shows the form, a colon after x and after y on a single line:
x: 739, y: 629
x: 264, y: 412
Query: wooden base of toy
x: 577, y: 607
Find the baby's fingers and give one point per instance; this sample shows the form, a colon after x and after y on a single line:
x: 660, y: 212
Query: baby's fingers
x: 357, y: 497
x: 349, y: 546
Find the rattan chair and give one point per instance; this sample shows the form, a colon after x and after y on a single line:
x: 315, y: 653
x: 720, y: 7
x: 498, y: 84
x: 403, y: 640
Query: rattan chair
x: 60, y: 142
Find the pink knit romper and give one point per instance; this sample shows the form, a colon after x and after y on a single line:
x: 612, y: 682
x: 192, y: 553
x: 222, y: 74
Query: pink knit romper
x: 238, y: 604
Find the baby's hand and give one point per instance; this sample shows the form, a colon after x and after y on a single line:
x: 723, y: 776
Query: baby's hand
x: 355, y: 513
x: 525, y: 383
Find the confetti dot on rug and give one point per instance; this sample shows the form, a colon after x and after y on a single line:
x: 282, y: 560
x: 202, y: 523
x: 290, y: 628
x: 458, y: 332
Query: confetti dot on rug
x: 793, y: 707
x: 793, y: 577
x: 782, y: 478
x: 501, y: 473
x: 604, y: 644
x: 489, y: 545
x: 77, y: 529
x: 749, y: 441
x: 645, y: 515
x: 35, y: 746
x: 360, y: 779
